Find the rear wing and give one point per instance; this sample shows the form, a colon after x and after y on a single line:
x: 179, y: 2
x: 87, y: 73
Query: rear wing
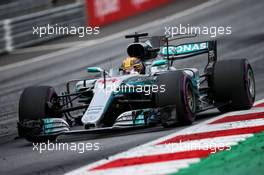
x: 186, y: 50
x: 176, y: 52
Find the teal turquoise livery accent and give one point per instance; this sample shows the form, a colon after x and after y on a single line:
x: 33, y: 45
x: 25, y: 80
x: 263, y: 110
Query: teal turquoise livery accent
x: 185, y: 48
x: 48, y: 126
x: 48, y: 131
x: 93, y: 69
x: 159, y: 63
x: 140, y: 120
x: 48, y: 120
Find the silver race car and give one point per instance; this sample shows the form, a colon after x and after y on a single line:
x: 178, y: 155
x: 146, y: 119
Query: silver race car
x: 161, y: 95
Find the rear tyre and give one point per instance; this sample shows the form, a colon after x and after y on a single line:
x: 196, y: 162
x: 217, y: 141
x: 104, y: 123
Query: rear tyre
x: 36, y: 103
x: 233, y: 85
x: 179, y: 92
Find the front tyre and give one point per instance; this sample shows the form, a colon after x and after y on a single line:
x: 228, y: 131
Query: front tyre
x: 179, y: 92
x: 234, y: 85
x: 185, y: 99
x: 36, y: 103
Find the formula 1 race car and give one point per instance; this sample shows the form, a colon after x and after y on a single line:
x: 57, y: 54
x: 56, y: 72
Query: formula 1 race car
x: 108, y: 100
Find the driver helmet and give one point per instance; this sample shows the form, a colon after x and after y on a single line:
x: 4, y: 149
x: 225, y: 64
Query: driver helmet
x: 132, y: 64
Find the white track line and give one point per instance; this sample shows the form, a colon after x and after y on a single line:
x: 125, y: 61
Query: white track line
x: 259, y: 102
x: 148, y: 169
x: 198, y: 127
x: 47, y: 47
x: 146, y: 26
x: 230, y: 125
x: 151, y: 147
x: 186, y: 146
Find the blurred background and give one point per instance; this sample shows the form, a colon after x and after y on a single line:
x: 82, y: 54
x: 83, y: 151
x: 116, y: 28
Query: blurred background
x: 27, y: 59
x: 18, y: 17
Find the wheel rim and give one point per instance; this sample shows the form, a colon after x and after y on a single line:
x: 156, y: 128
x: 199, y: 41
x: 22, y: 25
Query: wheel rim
x: 251, y: 83
x: 190, y: 99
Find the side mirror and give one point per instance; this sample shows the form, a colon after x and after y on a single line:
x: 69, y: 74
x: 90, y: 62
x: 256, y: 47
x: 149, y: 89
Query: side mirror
x: 94, y: 70
x: 97, y: 72
x: 159, y: 63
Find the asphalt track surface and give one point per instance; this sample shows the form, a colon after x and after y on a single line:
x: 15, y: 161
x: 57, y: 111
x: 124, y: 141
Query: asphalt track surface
x: 17, y: 157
